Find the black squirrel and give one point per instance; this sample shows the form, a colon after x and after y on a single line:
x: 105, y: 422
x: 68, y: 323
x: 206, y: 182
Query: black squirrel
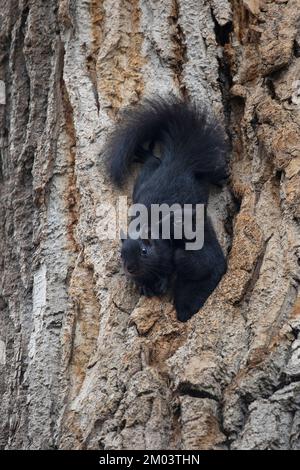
x: 192, y: 156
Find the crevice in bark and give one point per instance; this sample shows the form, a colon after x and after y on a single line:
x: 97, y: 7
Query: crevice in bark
x: 72, y: 196
x: 285, y: 380
x: 270, y: 87
x: 255, y: 273
x: 91, y: 65
x: 228, y: 435
x: 85, y: 324
x: 97, y: 13
x: 19, y: 67
x: 232, y: 211
x: 123, y: 310
x: 180, y: 50
x: 189, y: 390
x: 175, y: 430
x: 222, y: 35
x: 296, y: 48
x: 222, y: 32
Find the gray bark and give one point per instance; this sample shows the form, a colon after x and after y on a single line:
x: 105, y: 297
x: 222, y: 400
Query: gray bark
x: 85, y: 363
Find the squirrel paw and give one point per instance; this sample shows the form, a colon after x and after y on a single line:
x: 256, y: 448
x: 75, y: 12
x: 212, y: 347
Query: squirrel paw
x: 158, y: 288
x: 188, y: 299
x: 147, y: 291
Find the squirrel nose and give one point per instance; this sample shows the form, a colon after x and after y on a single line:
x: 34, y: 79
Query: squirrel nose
x: 130, y: 268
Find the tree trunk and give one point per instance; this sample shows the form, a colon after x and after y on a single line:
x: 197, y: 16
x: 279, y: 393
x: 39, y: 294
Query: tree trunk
x: 85, y: 362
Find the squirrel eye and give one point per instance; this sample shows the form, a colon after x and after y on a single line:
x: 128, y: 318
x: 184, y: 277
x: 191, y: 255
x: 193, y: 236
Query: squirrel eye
x: 144, y: 251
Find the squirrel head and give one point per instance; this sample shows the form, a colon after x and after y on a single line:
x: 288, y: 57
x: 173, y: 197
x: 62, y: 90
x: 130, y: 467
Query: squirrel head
x: 146, y: 260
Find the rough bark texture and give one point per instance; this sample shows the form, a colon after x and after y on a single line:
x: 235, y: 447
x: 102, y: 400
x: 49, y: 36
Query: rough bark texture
x: 85, y: 363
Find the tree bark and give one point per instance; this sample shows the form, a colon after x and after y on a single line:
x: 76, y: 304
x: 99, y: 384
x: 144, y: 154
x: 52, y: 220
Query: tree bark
x: 85, y: 362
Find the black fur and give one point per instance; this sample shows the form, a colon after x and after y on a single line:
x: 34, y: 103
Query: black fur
x: 192, y: 157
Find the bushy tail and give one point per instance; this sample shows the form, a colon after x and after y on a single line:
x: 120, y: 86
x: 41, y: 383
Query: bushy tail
x: 190, y: 137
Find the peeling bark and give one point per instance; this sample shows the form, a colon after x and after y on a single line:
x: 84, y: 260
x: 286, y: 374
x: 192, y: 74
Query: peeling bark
x: 85, y: 362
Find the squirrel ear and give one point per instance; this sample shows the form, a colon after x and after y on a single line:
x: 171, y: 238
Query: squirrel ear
x: 122, y: 235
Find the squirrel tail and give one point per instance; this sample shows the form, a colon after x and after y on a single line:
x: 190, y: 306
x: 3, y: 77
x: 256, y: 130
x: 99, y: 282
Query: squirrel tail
x: 191, y: 139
